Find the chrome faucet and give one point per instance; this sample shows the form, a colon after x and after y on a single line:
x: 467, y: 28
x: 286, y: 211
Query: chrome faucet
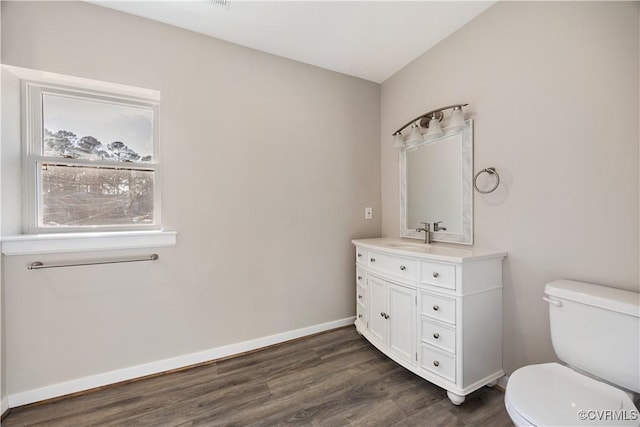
x: 427, y: 232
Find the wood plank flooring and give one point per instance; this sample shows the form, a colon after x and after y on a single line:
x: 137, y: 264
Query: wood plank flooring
x: 332, y: 379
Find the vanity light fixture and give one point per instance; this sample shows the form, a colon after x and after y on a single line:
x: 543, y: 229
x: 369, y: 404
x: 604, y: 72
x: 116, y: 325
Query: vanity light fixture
x: 433, y: 129
x: 456, y: 122
x: 430, y: 121
x: 415, y: 136
x: 398, y: 141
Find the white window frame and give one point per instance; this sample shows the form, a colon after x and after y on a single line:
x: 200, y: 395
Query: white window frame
x: 33, y: 154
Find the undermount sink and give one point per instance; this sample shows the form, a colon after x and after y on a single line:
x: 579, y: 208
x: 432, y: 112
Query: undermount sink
x: 403, y: 245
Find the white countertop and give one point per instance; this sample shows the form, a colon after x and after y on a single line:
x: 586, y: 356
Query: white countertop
x: 432, y: 251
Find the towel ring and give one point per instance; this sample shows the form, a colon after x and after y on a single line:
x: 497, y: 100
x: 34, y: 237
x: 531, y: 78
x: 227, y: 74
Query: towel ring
x: 490, y: 171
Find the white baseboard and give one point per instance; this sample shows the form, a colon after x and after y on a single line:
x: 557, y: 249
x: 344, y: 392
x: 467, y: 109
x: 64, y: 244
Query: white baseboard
x: 138, y: 371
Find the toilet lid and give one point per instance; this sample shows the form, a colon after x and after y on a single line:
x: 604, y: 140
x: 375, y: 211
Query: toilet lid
x: 552, y: 394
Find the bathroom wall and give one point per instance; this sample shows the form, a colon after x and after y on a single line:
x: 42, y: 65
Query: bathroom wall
x: 553, y: 89
x: 3, y: 394
x: 265, y: 178
x: 267, y: 167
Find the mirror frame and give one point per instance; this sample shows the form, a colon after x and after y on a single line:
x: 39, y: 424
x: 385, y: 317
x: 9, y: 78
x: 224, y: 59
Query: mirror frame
x: 466, y: 237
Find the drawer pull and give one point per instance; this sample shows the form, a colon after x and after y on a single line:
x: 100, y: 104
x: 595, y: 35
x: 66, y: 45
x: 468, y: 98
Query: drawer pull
x: 436, y: 274
x: 403, y: 268
x: 436, y: 307
x: 436, y: 335
x: 373, y: 260
x: 359, y: 277
x: 359, y: 316
x: 359, y: 255
x: 436, y: 363
x: 359, y: 296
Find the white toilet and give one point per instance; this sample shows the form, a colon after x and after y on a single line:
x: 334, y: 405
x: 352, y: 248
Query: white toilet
x: 596, y: 331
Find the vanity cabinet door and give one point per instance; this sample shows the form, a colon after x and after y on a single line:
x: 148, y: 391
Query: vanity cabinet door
x: 392, y: 317
x: 377, y: 309
x: 402, y: 315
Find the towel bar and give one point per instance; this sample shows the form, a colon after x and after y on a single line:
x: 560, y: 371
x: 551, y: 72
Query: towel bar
x: 37, y: 265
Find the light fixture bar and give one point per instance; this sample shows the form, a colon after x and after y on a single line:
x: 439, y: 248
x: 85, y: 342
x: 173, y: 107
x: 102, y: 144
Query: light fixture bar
x: 437, y: 113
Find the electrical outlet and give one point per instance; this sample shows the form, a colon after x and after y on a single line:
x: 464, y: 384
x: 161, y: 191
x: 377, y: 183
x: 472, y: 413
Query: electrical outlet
x: 368, y: 213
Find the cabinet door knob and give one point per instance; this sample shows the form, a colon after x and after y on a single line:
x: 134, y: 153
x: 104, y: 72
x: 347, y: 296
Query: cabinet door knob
x: 386, y: 316
x: 403, y: 268
x: 381, y: 314
x: 359, y: 255
x: 436, y: 308
x: 359, y: 277
x: 436, y: 335
x: 436, y: 274
x: 373, y: 260
x: 359, y: 316
x: 359, y: 296
x: 436, y: 363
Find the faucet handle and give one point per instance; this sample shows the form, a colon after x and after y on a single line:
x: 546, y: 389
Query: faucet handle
x: 436, y: 226
x: 426, y: 225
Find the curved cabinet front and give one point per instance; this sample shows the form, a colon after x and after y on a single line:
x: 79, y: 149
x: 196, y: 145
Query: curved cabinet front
x: 438, y: 313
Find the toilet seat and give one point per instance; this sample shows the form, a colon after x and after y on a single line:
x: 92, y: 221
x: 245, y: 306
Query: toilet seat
x: 552, y: 395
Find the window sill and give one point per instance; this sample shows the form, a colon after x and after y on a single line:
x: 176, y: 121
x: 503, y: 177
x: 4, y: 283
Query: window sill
x: 28, y: 244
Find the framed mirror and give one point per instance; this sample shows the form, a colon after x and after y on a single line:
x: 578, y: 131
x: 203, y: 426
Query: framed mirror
x: 436, y: 186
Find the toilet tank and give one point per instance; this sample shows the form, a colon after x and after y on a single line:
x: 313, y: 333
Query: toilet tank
x: 597, y: 330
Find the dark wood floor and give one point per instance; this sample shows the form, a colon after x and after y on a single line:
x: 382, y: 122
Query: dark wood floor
x: 331, y: 379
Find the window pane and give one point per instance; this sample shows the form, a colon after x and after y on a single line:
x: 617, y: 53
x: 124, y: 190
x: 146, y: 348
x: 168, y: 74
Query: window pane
x: 90, y: 129
x: 82, y: 196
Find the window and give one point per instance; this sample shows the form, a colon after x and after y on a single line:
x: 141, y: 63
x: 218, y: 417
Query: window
x: 91, y: 161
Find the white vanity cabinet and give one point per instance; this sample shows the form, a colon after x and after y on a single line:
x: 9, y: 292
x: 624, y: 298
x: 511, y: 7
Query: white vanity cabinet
x: 436, y: 310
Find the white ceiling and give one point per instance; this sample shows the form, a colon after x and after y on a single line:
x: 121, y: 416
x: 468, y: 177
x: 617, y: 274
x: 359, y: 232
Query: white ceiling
x: 367, y: 39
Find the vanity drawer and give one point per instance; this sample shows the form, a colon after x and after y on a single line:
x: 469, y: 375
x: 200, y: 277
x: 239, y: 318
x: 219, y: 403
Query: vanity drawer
x: 360, y: 276
x: 439, y: 308
x: 438, y: 274
x: 361, y: 256
x: 395, y: 266
x: 438, y: 336
x: 438, y: 362
x: 361, y: 295
x: 361, y: 314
